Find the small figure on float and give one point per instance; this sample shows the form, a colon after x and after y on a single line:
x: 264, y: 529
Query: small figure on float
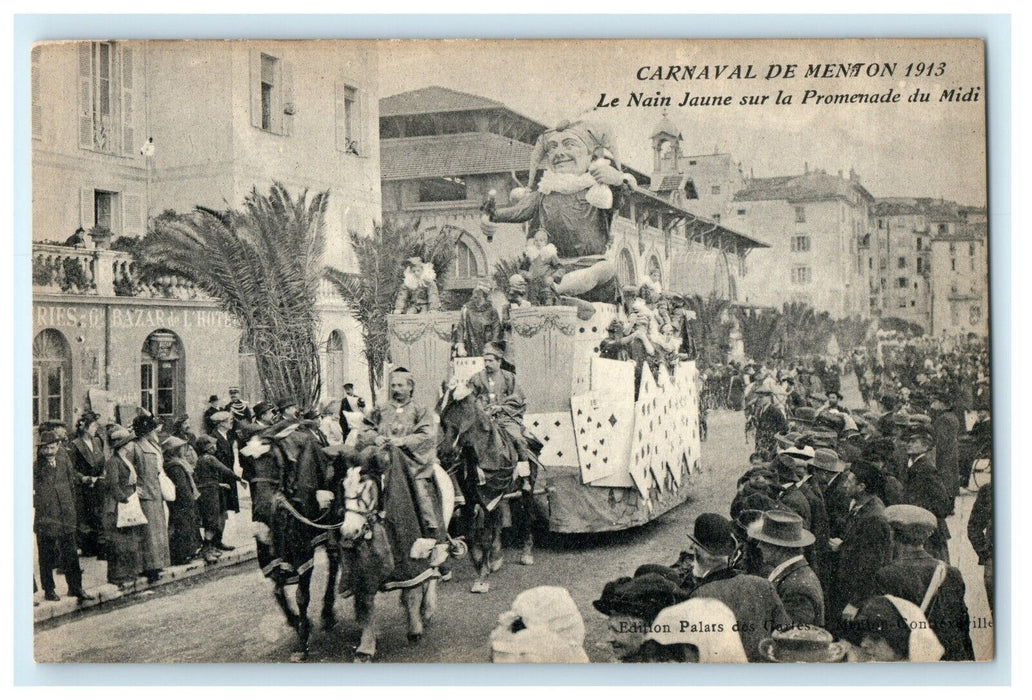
x: 479, y: 323
x: 418, y: 293
x: 574, y: 202
x: 517, y: 292
x: 544, y: 269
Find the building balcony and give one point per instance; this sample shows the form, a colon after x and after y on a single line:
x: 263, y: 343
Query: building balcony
x: 58, y: 269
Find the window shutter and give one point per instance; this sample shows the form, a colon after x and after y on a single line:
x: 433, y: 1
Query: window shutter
x: 37, y: 108
x: 361, y: 138
x: 256, y: 88
x: 287, y: 120
x: 340, y: 117
x: 86, y: 95
x: 86, y: 210
x: 133, y: 218
x: 128, y: 118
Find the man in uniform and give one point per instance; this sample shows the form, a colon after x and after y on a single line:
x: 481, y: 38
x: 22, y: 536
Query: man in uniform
x: 409, y: 428
x: 932, y: 585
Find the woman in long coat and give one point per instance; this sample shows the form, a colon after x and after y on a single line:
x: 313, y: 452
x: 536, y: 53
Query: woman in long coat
x: 125, y: 544
x: 88, y: 458
x: 149, y: 461
x: 184, y: 523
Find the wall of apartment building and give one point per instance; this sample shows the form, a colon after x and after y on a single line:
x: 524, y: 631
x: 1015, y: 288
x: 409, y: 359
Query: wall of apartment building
x: 960, y: 293
x: 836, y: 281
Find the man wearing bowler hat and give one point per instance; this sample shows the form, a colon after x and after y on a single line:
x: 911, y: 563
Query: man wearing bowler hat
x: 213, y: 408
x: 752, y: 599
x: 780, y: 537
x: 930, y: 584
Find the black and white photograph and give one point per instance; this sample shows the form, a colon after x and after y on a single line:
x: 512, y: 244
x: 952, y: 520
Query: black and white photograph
x: 523, y: 351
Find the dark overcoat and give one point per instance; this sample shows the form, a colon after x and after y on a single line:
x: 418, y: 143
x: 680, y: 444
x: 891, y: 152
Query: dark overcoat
x: 752, y: 599
x: 801, y: 594
x: 947, y: 612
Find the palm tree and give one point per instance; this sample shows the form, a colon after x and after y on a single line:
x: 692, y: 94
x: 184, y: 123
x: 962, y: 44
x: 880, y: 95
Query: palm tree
x: 381, y: 262
x: 262, y: 263
x: 712, y: 327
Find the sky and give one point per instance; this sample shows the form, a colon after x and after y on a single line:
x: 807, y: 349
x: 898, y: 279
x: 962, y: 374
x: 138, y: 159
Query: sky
x: 927, y: 149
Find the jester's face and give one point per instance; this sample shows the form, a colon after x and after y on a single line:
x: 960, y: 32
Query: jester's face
x: 566, y: 152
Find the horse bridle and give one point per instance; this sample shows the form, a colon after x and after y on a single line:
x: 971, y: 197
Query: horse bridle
x: 366, y: 501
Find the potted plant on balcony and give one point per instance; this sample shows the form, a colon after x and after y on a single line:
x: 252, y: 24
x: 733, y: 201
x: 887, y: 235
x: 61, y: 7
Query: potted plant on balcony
x: 101, y: 236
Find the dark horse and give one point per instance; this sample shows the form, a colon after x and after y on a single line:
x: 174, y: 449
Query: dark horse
x: 483, y: 459
x: 289, y: 504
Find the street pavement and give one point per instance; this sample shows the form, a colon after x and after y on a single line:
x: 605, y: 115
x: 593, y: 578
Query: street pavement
x: 229, y: 616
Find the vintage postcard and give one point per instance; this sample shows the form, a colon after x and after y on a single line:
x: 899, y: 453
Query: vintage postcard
x: 511, y: 351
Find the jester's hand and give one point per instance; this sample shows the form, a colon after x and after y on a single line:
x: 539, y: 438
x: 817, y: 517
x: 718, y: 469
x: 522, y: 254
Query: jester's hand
x: 487, y: 226
x: 606, y: 174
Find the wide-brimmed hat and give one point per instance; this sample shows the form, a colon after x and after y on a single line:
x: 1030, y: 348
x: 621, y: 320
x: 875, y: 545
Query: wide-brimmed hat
x: 119, y: 436
x: 713, y: 532
x: 643, y: 596
x: 803, y: 452
x: 262, y: 407
x: 788, y: 439
x: 827, y: 460
x: 781, y: 528
x: 47, y: 437
x: 802, y: 644
x: 144, y: 423
x: 172, y: 443
x: 285, y: 402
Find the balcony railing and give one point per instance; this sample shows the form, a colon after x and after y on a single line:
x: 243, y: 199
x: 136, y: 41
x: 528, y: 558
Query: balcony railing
x: 58, y: 269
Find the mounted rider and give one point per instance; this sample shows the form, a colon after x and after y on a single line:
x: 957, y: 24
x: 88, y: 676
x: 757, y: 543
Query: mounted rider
x: 410, y: 429
x: 497, y: 391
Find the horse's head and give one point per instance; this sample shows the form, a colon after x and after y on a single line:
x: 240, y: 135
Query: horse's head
x: 360, y: 502
x: 459, y: 413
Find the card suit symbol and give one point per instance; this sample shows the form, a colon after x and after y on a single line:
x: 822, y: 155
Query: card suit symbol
x: 559, y: 453
x: 601, y: 441
x: 595, y: 453
x: 598, y: 426
x: 582, y: 431
x: 558, y: 423
x: 580, y: 412
x: 612, y: 420
x: 605, y: 460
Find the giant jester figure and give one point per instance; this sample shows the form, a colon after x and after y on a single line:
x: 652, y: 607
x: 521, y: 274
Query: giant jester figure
x: 574, y: 201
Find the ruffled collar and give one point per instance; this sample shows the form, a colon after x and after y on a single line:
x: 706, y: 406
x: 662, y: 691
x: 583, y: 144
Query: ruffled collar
x: 564, y: 183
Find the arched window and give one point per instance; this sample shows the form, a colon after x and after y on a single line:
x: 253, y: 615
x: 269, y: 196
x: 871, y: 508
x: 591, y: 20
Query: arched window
x: 336, y: 364
x: 465, y: 266
x: 655, y: 269
x: 162, y: 375
x: 51, y: 377
x: 625, y: 268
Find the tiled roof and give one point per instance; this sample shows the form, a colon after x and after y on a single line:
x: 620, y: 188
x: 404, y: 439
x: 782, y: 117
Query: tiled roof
x: 668, y: 182
x: 811, y: 186
x: 434, y: 99
x: 451, y: 155
x: 934, y: 209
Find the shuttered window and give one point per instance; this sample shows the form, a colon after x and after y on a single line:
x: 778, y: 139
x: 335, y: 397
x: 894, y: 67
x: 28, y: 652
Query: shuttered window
x: 273, y: 108
x: 107, y: 114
